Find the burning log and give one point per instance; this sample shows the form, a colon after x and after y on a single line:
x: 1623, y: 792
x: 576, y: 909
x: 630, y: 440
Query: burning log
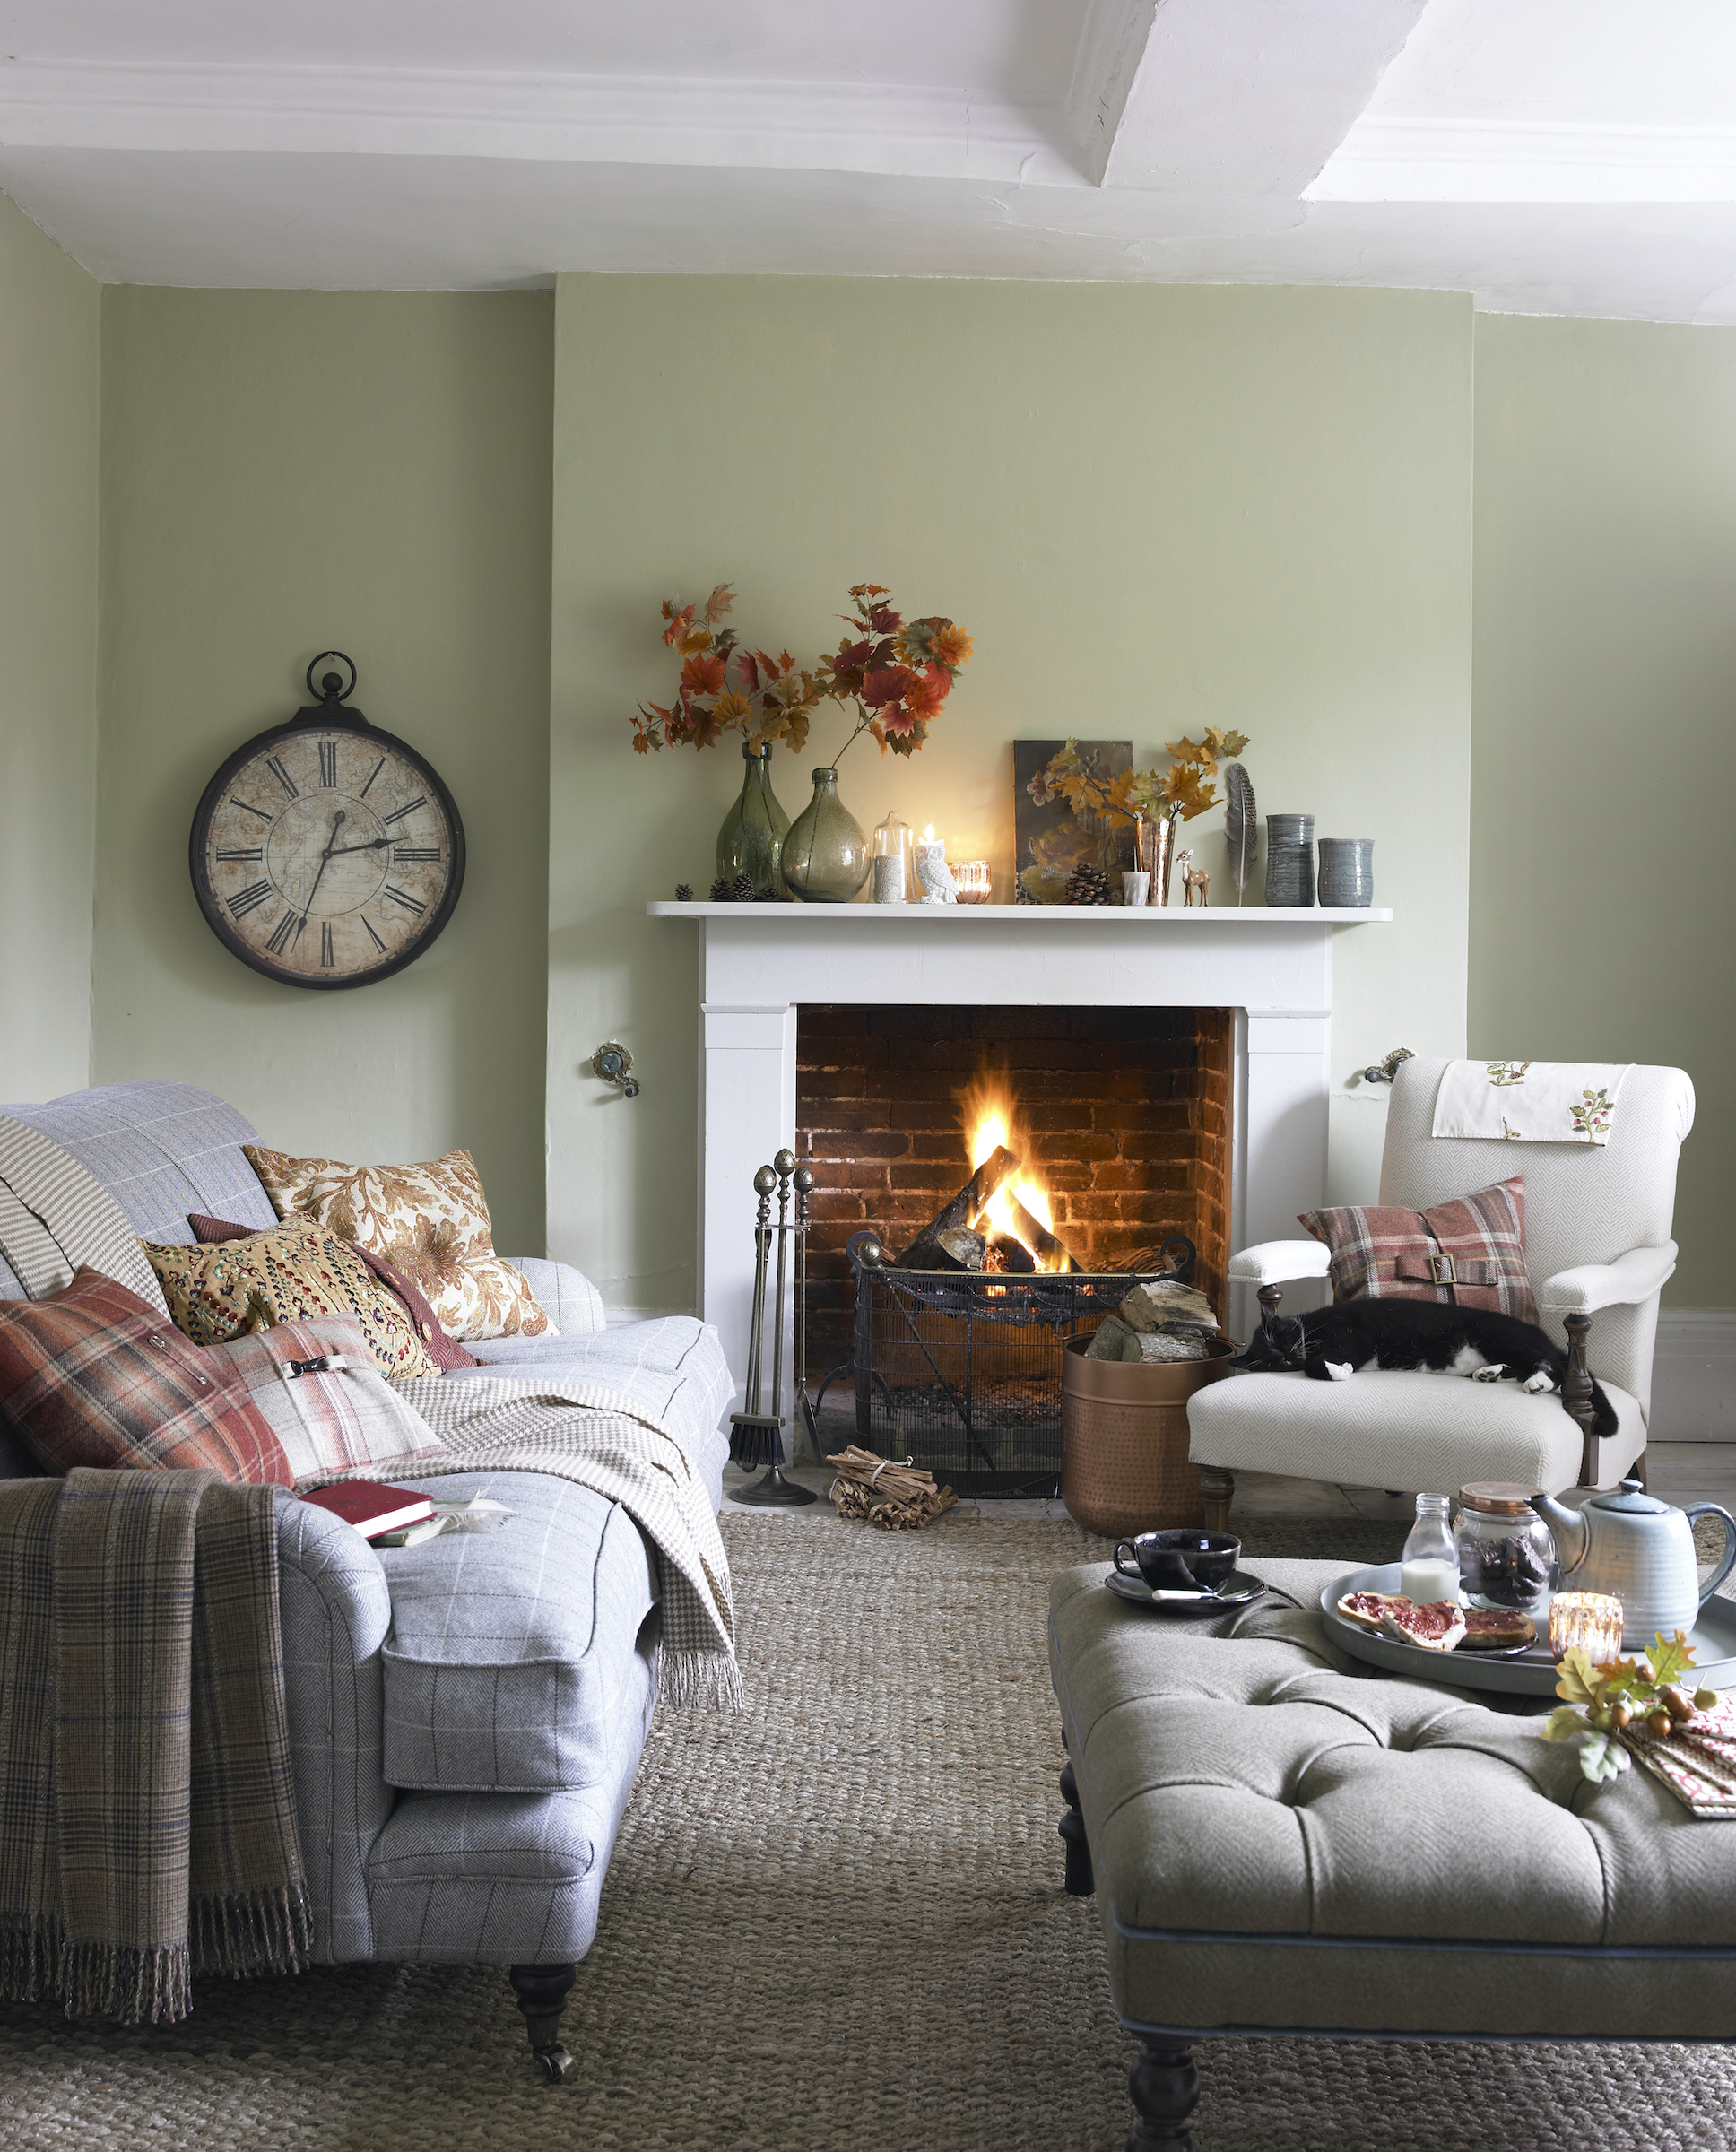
x: 965, y: 1248
x: 1008, y: 1256
x: 925, y: 1253
x: 1051, y: 1252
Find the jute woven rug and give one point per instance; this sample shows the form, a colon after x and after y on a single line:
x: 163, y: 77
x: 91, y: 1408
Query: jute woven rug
x: 834, y: 1925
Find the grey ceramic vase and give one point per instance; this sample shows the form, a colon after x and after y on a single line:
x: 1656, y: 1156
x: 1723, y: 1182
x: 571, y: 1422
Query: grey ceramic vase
x: 825, y: 854
x: 751, y: 839
x: 1347, y: 871
x: 1290, y: 859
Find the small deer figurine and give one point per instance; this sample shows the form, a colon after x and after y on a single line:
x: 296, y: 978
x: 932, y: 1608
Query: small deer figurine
x: 1196, y: 881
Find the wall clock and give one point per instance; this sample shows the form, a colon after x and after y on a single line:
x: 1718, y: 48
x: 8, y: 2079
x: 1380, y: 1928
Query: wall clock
x: 326, y: 853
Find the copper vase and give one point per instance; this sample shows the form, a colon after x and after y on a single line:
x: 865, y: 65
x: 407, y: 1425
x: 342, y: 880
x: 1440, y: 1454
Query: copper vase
x: 1154, y: 853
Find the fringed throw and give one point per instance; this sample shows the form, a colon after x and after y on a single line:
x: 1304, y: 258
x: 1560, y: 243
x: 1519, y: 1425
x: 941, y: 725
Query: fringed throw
x: 598, y: 1439
x: 147, y: 1815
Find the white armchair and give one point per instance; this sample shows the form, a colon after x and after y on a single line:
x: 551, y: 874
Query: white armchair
x: 1597, y: 1245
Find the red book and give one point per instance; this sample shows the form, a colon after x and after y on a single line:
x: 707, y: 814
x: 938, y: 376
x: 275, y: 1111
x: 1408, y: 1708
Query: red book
x: 372, y: 1507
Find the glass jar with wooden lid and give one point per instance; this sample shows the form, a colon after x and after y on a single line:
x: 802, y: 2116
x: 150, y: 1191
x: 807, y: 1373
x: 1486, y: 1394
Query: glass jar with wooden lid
x: 1506, y: 1553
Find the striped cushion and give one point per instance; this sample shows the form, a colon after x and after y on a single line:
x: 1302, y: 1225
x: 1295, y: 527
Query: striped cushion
x: 55, y: 1217
x: 1468, y: 1253
x: 91, y: 1376
x: 316, y: 1386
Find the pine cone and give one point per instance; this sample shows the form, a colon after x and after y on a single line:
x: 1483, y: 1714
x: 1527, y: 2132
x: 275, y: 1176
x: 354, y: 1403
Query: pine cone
x: 1087, y: 884
x: 770, y: 894
x: 741, y: 890
x: 720, y: 891
x: 683, y: 892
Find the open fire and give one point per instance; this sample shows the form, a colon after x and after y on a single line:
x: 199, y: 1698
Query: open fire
x: 1018, y: 1211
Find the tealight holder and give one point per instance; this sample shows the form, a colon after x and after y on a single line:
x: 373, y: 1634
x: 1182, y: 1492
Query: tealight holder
x: 1586, y: 1621
x: 975, y: 884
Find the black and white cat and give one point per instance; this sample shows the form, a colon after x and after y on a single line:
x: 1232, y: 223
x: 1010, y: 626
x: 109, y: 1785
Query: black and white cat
x: 1333, y: 1343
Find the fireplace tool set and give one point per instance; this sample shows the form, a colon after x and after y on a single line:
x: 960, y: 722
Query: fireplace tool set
x: 757, y: 1436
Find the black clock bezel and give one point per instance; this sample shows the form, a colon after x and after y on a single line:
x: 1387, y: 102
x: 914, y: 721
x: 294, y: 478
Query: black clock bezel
x: 211, y: 905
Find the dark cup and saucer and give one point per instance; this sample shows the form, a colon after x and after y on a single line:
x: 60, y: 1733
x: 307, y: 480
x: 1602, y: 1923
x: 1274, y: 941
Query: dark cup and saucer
x: 1183, y: 1572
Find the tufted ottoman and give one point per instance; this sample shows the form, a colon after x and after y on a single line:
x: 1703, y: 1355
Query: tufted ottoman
x: 1283, y: 1840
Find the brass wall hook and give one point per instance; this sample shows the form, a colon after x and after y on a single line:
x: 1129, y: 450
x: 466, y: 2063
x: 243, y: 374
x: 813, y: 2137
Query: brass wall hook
x: 611, y: 1062
x: 1385, y: 1072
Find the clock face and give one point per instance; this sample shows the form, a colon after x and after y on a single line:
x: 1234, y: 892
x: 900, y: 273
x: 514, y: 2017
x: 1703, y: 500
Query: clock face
x: 327, y: 855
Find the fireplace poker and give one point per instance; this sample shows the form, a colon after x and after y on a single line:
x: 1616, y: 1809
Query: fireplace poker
x: 758, y: 1436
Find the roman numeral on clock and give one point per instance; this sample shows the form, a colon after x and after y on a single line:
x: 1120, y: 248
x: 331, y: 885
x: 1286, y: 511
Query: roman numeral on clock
x: 249, y: 899
x: 256, y: 852
x: 274, y: 764
x: 287, y: 930
x: 408, y: 852
x: 325, y: 955
x: 372, y: 936
x: 408, y: 901
x: 420, y: 799
x: 372, y: 773
x: 328, y: 763
x: 249, y: 809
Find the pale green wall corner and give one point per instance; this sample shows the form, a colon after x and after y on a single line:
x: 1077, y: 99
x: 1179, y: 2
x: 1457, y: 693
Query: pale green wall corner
x: 1155, y: 508
x: 51, y: 314
x: 1605, y: 756
x: 281, y: 471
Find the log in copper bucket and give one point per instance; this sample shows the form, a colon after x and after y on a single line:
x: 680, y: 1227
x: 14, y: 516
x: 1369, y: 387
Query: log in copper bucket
x: 1124, y: 1439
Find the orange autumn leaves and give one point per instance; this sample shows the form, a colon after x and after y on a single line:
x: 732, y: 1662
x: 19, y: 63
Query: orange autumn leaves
x: 1186, y: 788
x: 897, y: 674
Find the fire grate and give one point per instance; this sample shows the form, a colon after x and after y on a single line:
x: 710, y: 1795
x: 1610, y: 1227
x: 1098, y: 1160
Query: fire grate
x: 965, y: 1366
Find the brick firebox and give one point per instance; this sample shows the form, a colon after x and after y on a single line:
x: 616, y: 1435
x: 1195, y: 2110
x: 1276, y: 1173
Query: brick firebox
x: 1127, y: 1112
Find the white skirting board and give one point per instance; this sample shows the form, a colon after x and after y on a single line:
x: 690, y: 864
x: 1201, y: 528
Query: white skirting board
x: 1693, y: 1375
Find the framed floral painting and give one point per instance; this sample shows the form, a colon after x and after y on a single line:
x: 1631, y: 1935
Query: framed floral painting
x: 1051, y: 840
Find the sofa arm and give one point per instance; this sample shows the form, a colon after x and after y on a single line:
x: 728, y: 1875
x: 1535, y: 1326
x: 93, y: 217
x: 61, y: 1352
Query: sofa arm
x: 566, y: 1296
x: 1589, y: 1286
x: 1274, y: 1262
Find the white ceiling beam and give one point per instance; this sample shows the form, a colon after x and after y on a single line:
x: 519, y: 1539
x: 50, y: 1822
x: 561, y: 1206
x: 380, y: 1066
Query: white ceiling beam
x: 1239, y: 97
x: 1401, y: 159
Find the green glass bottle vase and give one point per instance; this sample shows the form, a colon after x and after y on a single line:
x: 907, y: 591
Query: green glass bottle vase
x: 756, y: 829
x: 825, y: 854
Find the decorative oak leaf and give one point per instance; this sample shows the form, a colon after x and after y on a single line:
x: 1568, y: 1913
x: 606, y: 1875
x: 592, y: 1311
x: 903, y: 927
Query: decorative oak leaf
x: 730, y: 709
x: 1183, y: 787
x: 703, y: 675
x: 885, y: 686
x: 721, y: 600
x: 679, y: 621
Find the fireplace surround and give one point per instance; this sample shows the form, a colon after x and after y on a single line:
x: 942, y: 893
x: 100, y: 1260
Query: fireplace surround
x: 761, y: 966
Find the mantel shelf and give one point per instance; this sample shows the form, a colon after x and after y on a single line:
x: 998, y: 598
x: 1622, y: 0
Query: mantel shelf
x: 956, y: 916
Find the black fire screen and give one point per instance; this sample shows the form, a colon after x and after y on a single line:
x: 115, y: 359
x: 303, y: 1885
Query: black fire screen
x: 960, y: 1370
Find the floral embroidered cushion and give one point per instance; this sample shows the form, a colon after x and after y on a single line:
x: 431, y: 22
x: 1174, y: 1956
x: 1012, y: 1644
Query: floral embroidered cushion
x: 92, y: 1375
x: 295, y: 1272
x: 431, y: 1221
x: 316, y: 1386
x: 1469, y: 1252
x: 446, y: 1350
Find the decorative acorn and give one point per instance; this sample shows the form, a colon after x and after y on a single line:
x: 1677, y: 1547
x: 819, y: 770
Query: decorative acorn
x: 741, y: 890
x: 683, y: 892
x: 1087, y: 884
x: 720, y: 890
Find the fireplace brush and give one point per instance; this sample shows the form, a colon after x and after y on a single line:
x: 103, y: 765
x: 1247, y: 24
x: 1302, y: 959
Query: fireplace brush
x: 757, y: 1436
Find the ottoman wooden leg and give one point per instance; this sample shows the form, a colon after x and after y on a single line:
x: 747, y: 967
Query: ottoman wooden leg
x: 1082, y: 1882
x: 1217, y: 1487
x: 1165, y: 2089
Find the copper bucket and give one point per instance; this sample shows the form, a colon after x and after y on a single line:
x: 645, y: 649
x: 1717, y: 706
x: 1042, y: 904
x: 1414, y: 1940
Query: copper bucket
x: 1124, y: 1440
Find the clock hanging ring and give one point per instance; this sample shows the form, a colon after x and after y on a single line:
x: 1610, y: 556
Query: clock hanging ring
x: 327, y: 852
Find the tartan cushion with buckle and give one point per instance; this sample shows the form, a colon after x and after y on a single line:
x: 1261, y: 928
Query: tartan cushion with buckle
x: 1469, y: 1252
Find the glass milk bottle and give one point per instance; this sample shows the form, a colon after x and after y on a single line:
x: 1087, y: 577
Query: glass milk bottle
x: 1431, y: 1554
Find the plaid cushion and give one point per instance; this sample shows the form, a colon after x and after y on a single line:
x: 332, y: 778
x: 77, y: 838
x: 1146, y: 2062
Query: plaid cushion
x: 298, y: 1271
x: 316, y: 1386
x: 91, y: 1376
x: 447, y: 1351
x: 1470, y: 1252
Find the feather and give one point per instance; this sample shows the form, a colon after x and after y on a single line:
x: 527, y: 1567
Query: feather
x: 1241, y: 830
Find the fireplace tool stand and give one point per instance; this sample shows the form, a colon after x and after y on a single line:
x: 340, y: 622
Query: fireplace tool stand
x: 758, y: 1436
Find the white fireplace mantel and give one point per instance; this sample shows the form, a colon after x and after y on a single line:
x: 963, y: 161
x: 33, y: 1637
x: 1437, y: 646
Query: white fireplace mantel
x: 759, y: 963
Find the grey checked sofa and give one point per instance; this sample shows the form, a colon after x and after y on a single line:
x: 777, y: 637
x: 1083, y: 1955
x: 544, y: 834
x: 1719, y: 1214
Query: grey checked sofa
x: 466, y: 1716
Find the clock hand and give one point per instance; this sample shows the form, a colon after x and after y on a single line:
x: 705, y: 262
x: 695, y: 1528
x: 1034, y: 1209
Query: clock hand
x: 324, y: 860
x: 377, y: 844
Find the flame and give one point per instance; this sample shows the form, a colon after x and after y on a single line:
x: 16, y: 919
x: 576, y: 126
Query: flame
x: 993, y: 1121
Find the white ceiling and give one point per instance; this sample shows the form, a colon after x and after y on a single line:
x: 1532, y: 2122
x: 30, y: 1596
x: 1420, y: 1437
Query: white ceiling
x: 1551, y: 156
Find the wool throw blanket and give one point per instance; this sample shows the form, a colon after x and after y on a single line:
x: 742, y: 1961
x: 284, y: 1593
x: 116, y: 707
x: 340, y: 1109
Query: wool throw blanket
x: 54, y: 1216
x: 1528, y: 1101
x: 147, y: 1814
x: 598, y: 1439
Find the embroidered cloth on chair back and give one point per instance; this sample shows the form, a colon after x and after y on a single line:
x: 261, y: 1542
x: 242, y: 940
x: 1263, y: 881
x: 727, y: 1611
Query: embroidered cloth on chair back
x: 1583, y: 1204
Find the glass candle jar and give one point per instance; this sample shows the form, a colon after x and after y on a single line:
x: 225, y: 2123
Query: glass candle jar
x: 976, y: 884
x: 1507, y: 1554
x: 894, y: 857
x: 1590, y: 1620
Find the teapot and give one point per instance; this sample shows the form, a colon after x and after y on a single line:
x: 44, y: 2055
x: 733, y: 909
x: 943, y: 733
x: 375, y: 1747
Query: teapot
x: 1628, y: 1542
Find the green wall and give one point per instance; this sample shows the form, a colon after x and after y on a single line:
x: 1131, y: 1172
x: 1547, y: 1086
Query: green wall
x: 282, y: 471
x: 49, y: 330
x: 1605, y: 737
x: 1155, y: 507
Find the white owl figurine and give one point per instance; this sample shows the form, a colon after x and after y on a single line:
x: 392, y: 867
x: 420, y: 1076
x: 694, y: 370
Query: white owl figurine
x: 935, y: 876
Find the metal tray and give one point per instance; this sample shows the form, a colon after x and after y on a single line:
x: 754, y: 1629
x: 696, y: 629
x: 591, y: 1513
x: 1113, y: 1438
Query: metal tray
x: 1527, y: 1674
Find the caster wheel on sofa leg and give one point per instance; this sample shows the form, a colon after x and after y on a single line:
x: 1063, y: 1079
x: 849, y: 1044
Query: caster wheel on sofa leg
x: 541, y: 1991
